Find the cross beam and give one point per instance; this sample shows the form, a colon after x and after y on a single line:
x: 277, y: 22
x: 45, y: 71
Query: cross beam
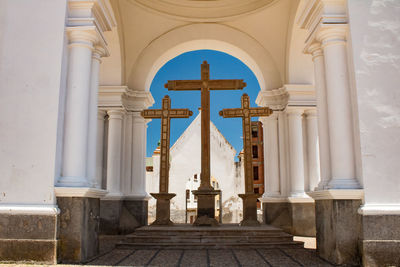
x: 165, y: 114
x: 163, y: 197
x: 246, y: 112
x: 205, y: 193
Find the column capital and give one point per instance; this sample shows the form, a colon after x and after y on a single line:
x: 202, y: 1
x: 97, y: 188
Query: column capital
x: 294, y: 112
x: 276, y: 99
x: 99, y: 51
x: 133, y: 100
x: 311, y: 113
x: 332, y: 34
x: 85, y: 36
x: 315, y: 49
x: 101, y: 114
x: 115, y: 114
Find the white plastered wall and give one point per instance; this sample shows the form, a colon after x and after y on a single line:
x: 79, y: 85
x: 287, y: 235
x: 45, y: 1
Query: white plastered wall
x: 31, y: 52
x: 374, y: 32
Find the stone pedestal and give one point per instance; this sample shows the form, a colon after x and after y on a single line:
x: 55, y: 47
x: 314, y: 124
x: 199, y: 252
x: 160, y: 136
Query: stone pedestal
x: 79, y: 227
x: 380, y: 240
x: 163, y: 208
x: 110, y: 215
x: 249, y: 209
x: 205, y: 207
x: 28, y: 237
x: 338, y: 230
x: 277, y: 213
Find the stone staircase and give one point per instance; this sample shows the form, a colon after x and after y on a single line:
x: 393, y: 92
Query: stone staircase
x: 183, y: 236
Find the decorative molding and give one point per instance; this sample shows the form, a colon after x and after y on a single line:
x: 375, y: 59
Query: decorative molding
x: 134, y: 100
x: 301, y: 95
x: 111, y: 96
x: 79, y: 192
x: 276, y: 99
x: 22, y: 209
x: 337, y: 194
x: 300, y: 200
x: 273, y: 199
x: 379, y: 209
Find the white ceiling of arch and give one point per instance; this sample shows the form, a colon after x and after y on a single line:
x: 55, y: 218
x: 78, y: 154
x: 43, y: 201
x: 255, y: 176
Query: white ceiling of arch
x: 203, y: 10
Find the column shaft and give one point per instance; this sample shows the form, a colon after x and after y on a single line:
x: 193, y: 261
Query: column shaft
x: 339, y: 112
x: 283, y: 152
x: 271, y: 156
x: 322, y: 110
x: 312, y: 149
x: 92, y: 131
x: 100, y: 148
x: 76, y: 110
x: 114, y: 152
x: 296, y: 153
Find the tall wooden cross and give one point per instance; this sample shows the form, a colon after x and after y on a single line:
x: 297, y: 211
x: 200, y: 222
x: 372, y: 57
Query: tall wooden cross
x: 246, y: 112
x: 163, y: 197
x: 205, y: 207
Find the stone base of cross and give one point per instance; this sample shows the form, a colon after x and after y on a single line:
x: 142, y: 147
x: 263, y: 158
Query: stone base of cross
x: 163, y: 208
x: 249, y: 209
x: 206, y: 207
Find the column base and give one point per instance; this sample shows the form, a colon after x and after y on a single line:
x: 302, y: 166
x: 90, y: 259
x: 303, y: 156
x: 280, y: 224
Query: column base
x: 205, y: 207
x: 276, y: 212
x: 380, y: 237
x: 25, y: 236
x: 338, y: 225
x: 79, y: 226
x: 249, y: 209
x: 163, y: 208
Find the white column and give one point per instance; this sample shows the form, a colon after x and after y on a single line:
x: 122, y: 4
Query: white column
x: 312, y: 149
x: 99, y: 147
x: 283, y: 152
x: 93, y: 114
x: 127, y: 152
x: 322, y: 110
x: 271, y: 156
x: 139, y: 129
x: 114, y: 152
x: 76, y: 110
x: 296, y: 153
x: 339, y: 109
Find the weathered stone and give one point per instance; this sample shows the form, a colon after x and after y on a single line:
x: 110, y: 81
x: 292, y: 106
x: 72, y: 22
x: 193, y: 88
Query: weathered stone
x: 79, y: 226
x: 134, y: 214
x: 338, y: 228
x: 163, y: 208
x: 28, y: 238
x: 278, y: 214
x: 110, y: 214
x: 380, y: 244
x: 303, y: 219
x: 249, y: 209
x: 205, y: 207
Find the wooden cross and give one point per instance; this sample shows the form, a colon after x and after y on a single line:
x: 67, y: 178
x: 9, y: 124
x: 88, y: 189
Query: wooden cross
x: 165, y: 114
x: 249, y: 198
x: 205, y: 85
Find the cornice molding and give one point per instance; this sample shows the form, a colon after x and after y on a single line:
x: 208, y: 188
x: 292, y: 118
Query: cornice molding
x: 134, y: 100
x: 301, y: 95
x: 276, y: 99
x: 79, y: 192
x: 27, y: 209
x: 337, y: 194
x: 111, y: 96
x: 379, y: 209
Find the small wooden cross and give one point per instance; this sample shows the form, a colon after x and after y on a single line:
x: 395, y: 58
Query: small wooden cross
x: 246, y: 112
x: 165, y: 114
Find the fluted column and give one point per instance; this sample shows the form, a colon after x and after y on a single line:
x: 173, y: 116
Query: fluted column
x: 312, y: 149
x: 271, y: 156
x: 98, y: 52
x: 339, y: 109
x: 296, y: 157
x: 114, y: 152
x: 322, y: 110
x: 100, y: 147
x: 76, y: 109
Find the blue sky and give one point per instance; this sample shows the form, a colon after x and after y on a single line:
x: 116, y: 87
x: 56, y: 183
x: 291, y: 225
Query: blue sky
x: 187, y: 67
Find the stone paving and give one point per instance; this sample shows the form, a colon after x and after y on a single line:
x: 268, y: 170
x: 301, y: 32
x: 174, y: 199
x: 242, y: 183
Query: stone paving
x: 287, y: 257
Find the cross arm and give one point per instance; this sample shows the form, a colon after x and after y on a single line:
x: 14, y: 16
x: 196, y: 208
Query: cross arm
x: 231, y: 112
x: 260, y: 112
x: 151, y: 113
x: 180, y: 113
x: 226, y: 84
x: 184, y: 85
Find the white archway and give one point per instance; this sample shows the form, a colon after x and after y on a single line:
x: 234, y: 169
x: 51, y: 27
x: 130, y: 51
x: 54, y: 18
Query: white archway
x: 204, y: 36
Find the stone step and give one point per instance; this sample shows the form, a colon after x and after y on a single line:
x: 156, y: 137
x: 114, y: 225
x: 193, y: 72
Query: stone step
x: 228, y: 245
x: 208, y: 239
